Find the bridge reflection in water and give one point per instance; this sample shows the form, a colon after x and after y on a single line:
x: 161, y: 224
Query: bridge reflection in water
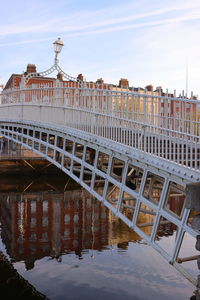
x: 55, y: 218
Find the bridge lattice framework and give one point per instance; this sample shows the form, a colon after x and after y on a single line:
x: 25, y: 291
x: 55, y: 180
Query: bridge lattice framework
x: 132, y: 151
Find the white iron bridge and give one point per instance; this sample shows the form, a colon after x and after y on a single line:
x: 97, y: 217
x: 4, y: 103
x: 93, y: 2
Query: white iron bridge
x: 135, y: 151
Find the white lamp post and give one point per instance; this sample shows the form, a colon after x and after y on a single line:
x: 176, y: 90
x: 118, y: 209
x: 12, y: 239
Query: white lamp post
x: 57, y: 49
x: 58, y: 44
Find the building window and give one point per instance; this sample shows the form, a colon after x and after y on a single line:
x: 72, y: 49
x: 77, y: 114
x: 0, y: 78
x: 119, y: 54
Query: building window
x: 44, y: 236
x: 76, y: 218
x: 33, y: 236
x: 67, y: 219
x: 33, y: 206
x: 33, y: 222
x: 44, y: 221
x: 45, y: 206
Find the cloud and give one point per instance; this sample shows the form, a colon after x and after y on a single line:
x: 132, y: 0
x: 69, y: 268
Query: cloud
x: 138, y: 25
x: 108, y: 29
x: 104, y: 23
x: 28, y: 41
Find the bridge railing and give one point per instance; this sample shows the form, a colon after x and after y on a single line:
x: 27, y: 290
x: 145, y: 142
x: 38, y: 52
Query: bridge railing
x: 162, y: 125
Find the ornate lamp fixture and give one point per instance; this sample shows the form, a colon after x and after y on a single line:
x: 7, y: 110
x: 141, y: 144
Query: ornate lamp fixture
x: 57, y: 49
x: 58, y: 45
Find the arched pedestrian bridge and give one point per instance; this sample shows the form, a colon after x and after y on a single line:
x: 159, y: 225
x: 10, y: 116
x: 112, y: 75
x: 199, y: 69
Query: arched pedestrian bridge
x: 133, y: 150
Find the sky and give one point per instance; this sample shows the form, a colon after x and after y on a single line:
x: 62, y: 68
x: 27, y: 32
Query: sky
x: 148, y: 42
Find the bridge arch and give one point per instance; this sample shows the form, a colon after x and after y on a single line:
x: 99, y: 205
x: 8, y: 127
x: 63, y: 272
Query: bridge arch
x: 133, y: 189
x: 134, y: 151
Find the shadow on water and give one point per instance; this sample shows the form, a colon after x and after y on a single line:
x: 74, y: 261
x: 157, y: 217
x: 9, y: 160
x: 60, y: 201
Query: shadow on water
x: 14, y: 286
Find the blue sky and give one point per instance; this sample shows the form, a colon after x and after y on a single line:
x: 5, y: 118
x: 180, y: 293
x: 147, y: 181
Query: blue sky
x: 147, y: 42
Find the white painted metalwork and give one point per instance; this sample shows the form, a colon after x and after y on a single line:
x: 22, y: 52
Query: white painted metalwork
x: 57, y: 48
x: 162, y: 126
x: 130, y: 148
x: 103, y: 169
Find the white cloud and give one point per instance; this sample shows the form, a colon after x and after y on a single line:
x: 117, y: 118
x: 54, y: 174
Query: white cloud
x: 101, y: 19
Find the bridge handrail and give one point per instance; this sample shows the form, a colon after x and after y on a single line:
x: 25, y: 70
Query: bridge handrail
x: 155, y: 119
x: 151, y: 108
x: 141, y: 124
x: 45, y: 87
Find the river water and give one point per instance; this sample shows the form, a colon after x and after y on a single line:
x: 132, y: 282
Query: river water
x: 69, y: 246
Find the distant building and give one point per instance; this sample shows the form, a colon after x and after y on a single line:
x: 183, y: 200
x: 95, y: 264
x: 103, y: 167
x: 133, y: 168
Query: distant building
x: 15, y: 79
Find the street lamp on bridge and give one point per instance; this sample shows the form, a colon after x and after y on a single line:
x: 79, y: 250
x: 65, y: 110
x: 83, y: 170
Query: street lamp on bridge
x: 58, y: 45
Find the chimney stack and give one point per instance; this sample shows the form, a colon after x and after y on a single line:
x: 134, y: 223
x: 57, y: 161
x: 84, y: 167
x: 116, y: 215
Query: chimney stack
x: 31, y: 68
x: 80, y: 77
x: 99, y: 81
x: 149, y: 88
x: 60, y: 76
x: 123, y: 83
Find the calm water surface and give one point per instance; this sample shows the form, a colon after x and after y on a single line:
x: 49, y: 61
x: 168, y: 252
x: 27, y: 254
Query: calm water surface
x: 69, y: 246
